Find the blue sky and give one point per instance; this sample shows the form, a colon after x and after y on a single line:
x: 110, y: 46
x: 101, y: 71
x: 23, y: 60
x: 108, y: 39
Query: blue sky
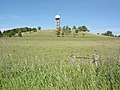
x: 97, y: 15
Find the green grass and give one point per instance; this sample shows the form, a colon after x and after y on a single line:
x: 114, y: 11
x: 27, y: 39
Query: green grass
x: 41, y: 61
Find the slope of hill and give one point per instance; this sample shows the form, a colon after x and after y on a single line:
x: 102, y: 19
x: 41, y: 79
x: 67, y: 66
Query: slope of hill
x: 42, y: 61
x: 51, y: 34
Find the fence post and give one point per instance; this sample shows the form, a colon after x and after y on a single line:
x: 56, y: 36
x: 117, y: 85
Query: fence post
x: 73, y: 58
x: 96, y: 59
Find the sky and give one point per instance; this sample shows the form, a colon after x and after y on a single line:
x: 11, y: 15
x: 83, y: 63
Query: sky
x: 98, y: 15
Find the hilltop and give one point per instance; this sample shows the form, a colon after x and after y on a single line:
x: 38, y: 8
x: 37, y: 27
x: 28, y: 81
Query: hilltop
x: 51, y: 34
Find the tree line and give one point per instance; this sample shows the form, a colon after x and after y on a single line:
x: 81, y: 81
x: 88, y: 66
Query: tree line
x: 18, y: 31
x: 66, y: 30
x: 109, y: 33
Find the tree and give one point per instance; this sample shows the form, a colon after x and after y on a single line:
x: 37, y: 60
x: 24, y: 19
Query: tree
x: 66, y: 29
x: 63, y: 28
x: 98, y: 33
x: 58, y: 32
x: 12, y: 33
x: 76, y: 31
x: 84, y: 28
x: 1, y: 33
x: 25, y: 29
x: 88, y: 30
x: 34, y: 29
x: 74, y: 28
x: 69, y: 30
x: 39, y: 28
x: 108, y: 33
x: 80, y: 28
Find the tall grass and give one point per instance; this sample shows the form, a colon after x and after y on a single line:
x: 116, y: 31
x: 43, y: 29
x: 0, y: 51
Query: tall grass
x: 43, y: 63
x: 26, y: 75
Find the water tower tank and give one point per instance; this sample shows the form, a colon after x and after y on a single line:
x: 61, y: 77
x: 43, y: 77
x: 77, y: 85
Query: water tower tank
x: 57, y: 17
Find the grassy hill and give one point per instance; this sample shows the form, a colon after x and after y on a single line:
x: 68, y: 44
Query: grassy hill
x: 41, y: 61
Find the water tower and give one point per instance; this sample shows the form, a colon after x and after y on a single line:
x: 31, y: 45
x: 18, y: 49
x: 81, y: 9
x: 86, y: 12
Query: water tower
x: 57, y: 18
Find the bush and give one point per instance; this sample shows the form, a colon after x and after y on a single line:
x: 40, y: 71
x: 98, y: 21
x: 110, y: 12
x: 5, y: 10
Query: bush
x: 19, y: 34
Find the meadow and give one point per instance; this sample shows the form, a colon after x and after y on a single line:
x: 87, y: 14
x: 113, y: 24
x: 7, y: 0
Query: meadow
x: 41, y: 61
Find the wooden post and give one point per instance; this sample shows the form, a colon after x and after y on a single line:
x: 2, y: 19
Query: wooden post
x: 73, y: 58
x: 95, y: 59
